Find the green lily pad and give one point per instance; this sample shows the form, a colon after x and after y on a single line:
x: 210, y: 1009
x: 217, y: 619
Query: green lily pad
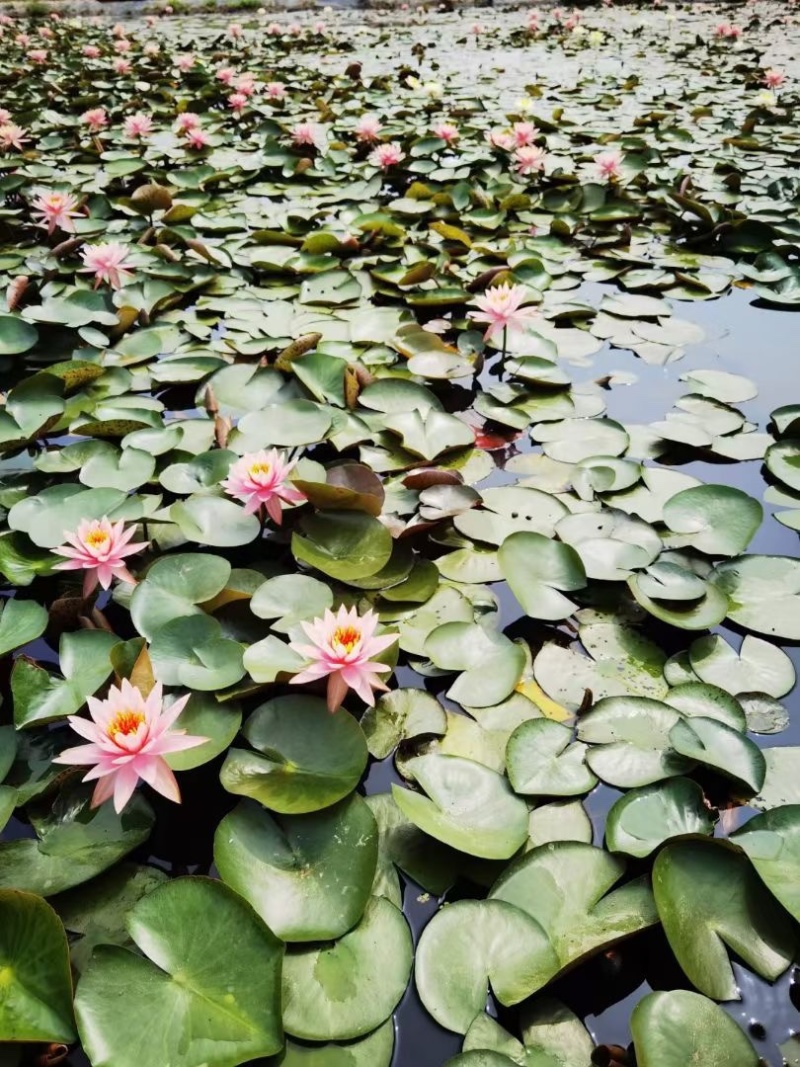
x: 308, y: 876
x: 214, y: 520
x: 758, y: 667
x: 764, y: 593
x: 36, y: 1000
x: 542, y: 760
x: 225, y: 985
x: 191, y: 652
x: 772, y: 844
x: 537, y: 569
x: 174, y: 587
x: 399, y: 715
x: 710, y: 898
x: 644, y: 818
x: 374, y: 1050
x: 21, y: 621
x: 491, y: 664
x: 721, y: 747
x: 468, y: 806
x: 716, y: 519
x: 343, y: 990
x: 673, y: 1028
x: 305, y: 758
x: 342, y: 544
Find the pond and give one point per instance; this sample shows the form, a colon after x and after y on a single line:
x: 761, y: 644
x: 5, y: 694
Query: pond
x: 399, y: 501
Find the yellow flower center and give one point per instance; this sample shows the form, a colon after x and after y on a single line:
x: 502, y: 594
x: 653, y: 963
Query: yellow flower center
x: 125, y: 722
x: 96, y: 538
x: 260, y: 468
x: 346, y: 638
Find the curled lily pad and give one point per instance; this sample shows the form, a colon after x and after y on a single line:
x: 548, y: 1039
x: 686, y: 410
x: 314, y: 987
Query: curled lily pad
x: 709, y: 897
x: 644, y: 818
x: 343, y: 544
x: 764, y: 593
x: 542, y: 759
x: 468, y: 806
x: 772, y: 842
x: 302, y: 759
x: 398, y: 715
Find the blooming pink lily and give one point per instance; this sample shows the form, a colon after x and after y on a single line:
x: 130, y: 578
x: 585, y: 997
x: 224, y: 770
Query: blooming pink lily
x: 306, y: 133
x: 185, y: 62
x: 529, y: 158
x: 99, y: 548
x: 138, y: 125
x: 342, y: 650
x: 237, y: 102
x: 197, y: 138
x: 95, y: 118
x: 276, y: 91
x: 106, y: 262
x: 122, y: 46
x: 608, y: 165
x: 447, y: 132
x: 55, y: 210
x: 128, y: 736
x: 91, y: 51
x: 260, y: 479
x: 38, y: 56
x: 187, y: 120
x: 387, y: 155
x: 368, y: 128
x: 12, y: 136
x: 774, y: 79
x: 524, y: 133
x: 503, y: 139
x: 225, y: 75
x: 122, y: 66
x: 500, y: 307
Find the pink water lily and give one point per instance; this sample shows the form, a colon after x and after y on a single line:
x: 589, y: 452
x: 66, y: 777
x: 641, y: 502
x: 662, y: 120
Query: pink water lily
x: 122, y: 46
x: 122, y: 66
x: 138, y: 126
x: 55, y: 210
x: 368, y: 128
x: 237, y: 102
x: 225, y: 75
x: 306, y: 133
x: 524, y: 133
x: 260, y: 479
x: 12, y: 136
x: 503, y: 139
x: 106, y: 262
x: 38, y: 55
x: 99, y: 548
x: 185, y: 62
x: 387, y: 155
x: 500, y: 307
x: 186, y: 121
x: 608, y: 165
x: 342, y: 649
x: 276, y: 91
x: 128, y: 736
x: 91, y: 51
x: 197, y: 138
x: 447, y: 132
x: 95, y: 118
x: 774, y: 79
x: 529, y: 158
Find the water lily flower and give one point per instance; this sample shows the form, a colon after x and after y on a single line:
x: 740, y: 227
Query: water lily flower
x: 502, y: 139
x: 386, y: 155
x: 235, y: 31
x: 306, y: 133
x: 225, y: 75
x: 774, y: 79
x: 187, y: 120
x: 525, y: 103
x: 22, y: 39
x: 524, y: 133
x: 295, y: 29
x: 128, y: 736
x: 122, y: 66
x: 38, y: 55
x: 608, y: 165
x: 319, y: 27
x: 197, y: 138
x: 447, y: 132
x: 184, y: 62
x: 500, y: 307
x: 275, y: 29
x: 106, y: 262
x: 118, y: 30
x: 766, y: 98
x: 595, y: 38
x: 5, y: 117
x: 122, y: 46
x: 95, y: 118
x: 368, y: 128
x: 138, y: 125
x: 46, y: 32
x: 528, y: 159
x: 99, y: 548
x: 476, y: 29
x: 91, y: 51
x: 152, y: 48
x: 261, y: 480
x: 55, y: 210
x: 12, y: 136
x: 237, y: 102
x: 276, y: 91
x: 246, y: 83
x: 343, y: 647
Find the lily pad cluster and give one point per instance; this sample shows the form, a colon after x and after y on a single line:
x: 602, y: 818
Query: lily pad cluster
x: 280, y: 245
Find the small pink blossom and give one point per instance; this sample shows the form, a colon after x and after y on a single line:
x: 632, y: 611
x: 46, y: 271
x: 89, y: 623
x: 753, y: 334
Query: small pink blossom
x: 275, y: 29
x: 261, y: 480
x: 95, y: 118
x: 502, y: 139
x: 319, y: 27
x: 91, y: 51
x: 368, y: 128
x: 12, y: 136
x: 187, y: 120
x: 5, y: 116
x: 235, y: 31
x: 106, y: 262
x: 386, y: 155
x: 122, y: 46
x: 99, y: 548
x: 342, y: 649
x: 524, y: 133
x: 46, y: 32
x: 55, y: 210
x: 185, y: 62
x: 447, y: 132
x: 122, y: 66
x: 295, y: 29
x: 197, y: 138
x: 500, y: 307
x: 306, y: 133
x: 276, y: 91
x: 38, y: 56
x: 151, y: 20
x: 608, y: 165
x: 476, y: 29
x: 225, y: 75
x: 246, y: 83
x: 152, y: 48
x: 774, y: 79
x: 237, y: 102
x: 128, y: 736
x: 118, y: 30
x: 138, y: 125
x: 23, y: 40
x: 528, y: 159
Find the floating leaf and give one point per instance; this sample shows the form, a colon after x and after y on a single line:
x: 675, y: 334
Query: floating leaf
x: 644, y: 818
x: 671, y: 1029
